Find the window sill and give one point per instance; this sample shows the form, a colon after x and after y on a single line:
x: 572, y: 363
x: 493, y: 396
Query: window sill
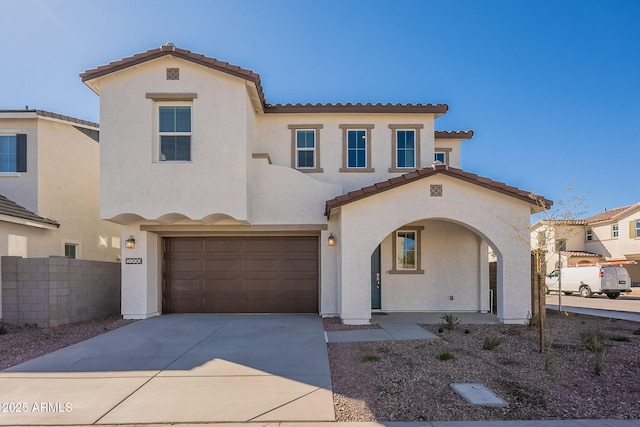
x: 403, y: 170
x: 10, y: 174
x: 406, y: 271
x: 356, y: 170
x: 315, y: 170
x: 174, y: 162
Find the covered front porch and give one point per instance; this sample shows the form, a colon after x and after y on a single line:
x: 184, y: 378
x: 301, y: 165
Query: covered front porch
x: 431, y: 231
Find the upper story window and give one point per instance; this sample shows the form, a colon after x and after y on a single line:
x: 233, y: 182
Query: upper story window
x: 356, y: 148
x: 589, y: 234
x: 614, y: 230
x: 405, y: 149
x: 405, y: 152
x: 305, y: 147
x: 442, y: 155
x: 174, y: 128
x: 13, y: 153
x: 634, y: 229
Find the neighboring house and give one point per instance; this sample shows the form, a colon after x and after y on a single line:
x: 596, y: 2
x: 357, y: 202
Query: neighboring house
x: 236, y: 205
x: 611, y: 236
x: 49, y: 184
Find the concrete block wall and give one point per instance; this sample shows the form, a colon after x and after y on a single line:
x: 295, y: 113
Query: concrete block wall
x: 57, y: 290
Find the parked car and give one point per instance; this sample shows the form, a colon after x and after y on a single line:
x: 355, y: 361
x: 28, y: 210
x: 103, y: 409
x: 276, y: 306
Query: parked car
x: 590, y: 280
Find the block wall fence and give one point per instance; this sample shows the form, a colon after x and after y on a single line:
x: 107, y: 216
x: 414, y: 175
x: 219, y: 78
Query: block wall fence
x: 55, y: 291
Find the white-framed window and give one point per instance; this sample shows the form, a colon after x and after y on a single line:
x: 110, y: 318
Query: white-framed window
x: 614, y: 230
x: 406, y: 250
x: 305, y: 148
x: 71, y: 250
x: 13, y: 153
x: 356, y: 148
x: 174, y: 130
x: 637, y: 228
x: 440, y: 156
x: 405, y: 148
x: 589, y: 234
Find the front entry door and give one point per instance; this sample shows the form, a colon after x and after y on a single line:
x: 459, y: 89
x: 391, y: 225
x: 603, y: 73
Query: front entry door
x: 375, y: 279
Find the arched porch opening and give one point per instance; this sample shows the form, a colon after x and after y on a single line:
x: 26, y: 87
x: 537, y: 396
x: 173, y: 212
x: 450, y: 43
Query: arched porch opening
x: 432, y: 265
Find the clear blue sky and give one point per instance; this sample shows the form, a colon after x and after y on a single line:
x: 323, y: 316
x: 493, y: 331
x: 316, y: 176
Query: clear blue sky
x: 551, y: 88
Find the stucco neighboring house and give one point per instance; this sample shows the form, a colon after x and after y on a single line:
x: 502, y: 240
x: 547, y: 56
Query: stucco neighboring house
x: 232, y: 204
x: 49, y: 183
x: 610, y: 236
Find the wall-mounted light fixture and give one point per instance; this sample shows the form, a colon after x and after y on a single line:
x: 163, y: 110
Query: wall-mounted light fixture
x: 130, y: 243
x: 332, y: 240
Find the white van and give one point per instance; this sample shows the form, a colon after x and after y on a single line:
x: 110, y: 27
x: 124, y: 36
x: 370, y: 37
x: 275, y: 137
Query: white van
x: 590, y: 280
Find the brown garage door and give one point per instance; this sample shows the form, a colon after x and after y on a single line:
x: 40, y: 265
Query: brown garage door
x: 240, y: 275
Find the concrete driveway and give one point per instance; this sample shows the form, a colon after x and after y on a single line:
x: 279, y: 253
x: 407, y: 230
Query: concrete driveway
x: 179, y: 368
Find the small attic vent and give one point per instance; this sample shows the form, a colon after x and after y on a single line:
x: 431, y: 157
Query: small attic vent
x: 173, y: 73
x: 435, y: 190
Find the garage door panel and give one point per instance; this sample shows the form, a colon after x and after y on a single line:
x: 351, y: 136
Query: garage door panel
x: 222, y: 266
x: 223, y: 245
x: 182, y: 265
x: 232, y: 283
x: 185, y: 245
x: 241, y: 275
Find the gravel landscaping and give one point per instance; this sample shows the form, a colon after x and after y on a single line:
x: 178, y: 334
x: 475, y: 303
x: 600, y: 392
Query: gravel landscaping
x: 20, y: 344
x: 409, y: 380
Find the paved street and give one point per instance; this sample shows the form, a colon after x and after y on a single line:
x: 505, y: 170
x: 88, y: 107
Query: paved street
x: 627, y: 303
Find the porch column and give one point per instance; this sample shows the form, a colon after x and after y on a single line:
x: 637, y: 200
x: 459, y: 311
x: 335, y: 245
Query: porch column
x: 355, y: 274
x: 514, y: 285
x: 141, y: 297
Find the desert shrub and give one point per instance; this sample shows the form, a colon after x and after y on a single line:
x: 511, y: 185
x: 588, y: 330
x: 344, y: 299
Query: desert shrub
x: 450, y: 321
x: 369, y: 358
x: 491, y: 343
x: 444, y: 356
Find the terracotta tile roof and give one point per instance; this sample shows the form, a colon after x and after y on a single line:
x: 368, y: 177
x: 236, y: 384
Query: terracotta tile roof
x: 563, y: 222
x: 225, y: 67
x: 10, y: 208
x: 170, y: 49
x: 437, y: 109
x: 580, y: 253
x: 43, y: 113
x: 454, y: 134
x: 610, y: 214
x: 431, y: 171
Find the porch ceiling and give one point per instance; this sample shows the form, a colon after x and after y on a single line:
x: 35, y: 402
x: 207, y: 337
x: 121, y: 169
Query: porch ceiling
x: 539, y: 203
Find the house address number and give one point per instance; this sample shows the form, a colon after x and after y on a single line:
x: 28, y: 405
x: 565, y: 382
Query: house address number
x: 133, y: 260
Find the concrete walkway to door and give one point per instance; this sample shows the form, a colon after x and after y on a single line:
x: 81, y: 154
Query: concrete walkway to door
x: 180, y: 368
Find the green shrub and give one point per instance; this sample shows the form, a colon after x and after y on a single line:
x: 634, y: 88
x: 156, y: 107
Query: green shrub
x: 450, y: 321
x: 369, y: 358
x: 444, y: 356
x: 491, y: 343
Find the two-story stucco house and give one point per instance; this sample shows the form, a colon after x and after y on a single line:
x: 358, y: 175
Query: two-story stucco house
x: 237, y: 205
x: 611, y: 236
x: 49, y: 183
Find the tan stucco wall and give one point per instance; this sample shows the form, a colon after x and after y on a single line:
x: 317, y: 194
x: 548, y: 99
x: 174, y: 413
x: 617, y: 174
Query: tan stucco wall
x: 22, y: 188
x: 61, y: 183
x: 275, y: 139
x: 492, y: 216
x: 133, y: 181
x: 615, y: 248
x: 451, y: 260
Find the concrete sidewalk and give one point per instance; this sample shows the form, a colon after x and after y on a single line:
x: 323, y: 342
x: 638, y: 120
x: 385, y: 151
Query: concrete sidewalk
x: 620, y: 315
x: 179, y: 368
x: 529, y: 423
